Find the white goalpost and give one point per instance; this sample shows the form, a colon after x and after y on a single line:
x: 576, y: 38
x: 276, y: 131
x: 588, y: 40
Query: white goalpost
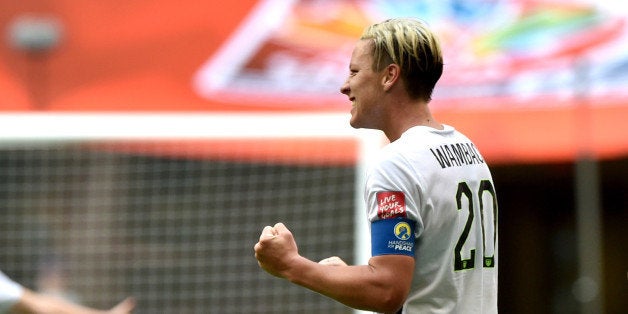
x: 143, y: 204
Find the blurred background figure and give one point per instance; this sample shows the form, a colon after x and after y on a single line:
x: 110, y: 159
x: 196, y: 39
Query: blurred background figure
x: 17, y: 299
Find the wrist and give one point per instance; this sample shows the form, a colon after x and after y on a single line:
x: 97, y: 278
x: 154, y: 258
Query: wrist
x: 296, y: 270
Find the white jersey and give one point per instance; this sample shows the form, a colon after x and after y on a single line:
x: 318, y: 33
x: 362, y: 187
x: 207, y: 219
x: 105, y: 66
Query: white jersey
x: 436, y: 184
x: 10, y: 293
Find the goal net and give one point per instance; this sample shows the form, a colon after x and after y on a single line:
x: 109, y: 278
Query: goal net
x: 167, y: 208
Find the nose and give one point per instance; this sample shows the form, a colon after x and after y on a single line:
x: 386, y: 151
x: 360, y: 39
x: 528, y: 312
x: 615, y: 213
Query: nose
x: 344, y: 89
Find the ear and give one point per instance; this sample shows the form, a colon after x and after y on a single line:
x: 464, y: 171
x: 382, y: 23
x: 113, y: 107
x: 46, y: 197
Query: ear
x: 390, y: 75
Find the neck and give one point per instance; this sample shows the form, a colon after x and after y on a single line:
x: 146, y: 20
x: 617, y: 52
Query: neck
x: 408, y: 117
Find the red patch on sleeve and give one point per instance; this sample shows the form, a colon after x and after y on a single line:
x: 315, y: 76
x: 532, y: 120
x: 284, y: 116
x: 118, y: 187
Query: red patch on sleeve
x: 391, y: 205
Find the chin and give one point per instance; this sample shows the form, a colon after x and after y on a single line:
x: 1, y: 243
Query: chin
x: 353, y: 122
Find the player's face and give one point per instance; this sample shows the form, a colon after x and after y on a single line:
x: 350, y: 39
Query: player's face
x: 363, y: 88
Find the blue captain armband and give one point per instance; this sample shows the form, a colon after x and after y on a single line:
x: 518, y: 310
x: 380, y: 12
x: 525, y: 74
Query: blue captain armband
x: 392, y: 236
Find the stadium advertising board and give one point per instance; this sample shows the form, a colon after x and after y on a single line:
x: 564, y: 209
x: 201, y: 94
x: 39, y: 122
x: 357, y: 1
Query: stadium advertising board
x: 528, y: 80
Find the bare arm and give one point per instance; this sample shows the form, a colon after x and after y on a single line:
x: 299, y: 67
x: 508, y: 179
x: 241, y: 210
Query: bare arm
x: 35, y: 303
x: 380, y: 286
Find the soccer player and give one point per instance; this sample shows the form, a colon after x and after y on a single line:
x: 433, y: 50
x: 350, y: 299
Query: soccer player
x: 430, y: 182
x: 16, y: 299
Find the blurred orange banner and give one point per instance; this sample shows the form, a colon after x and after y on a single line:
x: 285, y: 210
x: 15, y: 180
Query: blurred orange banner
x: 528, y: 80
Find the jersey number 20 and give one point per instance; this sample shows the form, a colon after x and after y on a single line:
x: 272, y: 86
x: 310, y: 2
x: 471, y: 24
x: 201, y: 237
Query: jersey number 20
x: 464, y: 191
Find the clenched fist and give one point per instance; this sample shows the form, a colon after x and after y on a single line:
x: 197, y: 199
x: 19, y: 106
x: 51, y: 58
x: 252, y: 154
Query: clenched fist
x: 276, y: 250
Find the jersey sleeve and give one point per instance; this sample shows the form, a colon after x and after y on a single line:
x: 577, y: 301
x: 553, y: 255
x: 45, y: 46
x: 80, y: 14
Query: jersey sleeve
x: 392, y: 207
x: 10, y: 293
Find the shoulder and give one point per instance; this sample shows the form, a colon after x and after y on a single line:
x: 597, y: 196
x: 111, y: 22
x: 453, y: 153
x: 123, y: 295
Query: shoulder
x: 10, y: 292
x: 390, y: 159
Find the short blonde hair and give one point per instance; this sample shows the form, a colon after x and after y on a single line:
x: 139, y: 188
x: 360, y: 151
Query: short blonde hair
x: 410, y: 44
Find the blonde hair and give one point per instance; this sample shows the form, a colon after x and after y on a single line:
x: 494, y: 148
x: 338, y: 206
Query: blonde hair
x: 410, y: 44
